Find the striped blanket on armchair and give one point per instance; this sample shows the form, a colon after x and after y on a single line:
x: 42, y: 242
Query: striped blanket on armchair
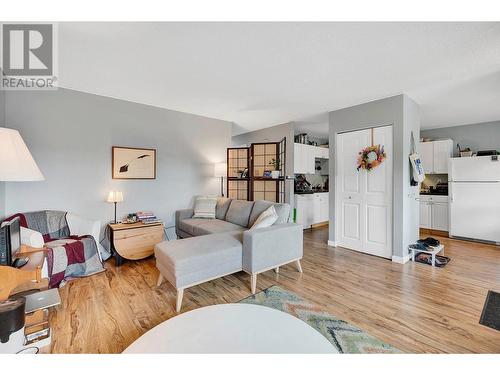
x: 68, y: 256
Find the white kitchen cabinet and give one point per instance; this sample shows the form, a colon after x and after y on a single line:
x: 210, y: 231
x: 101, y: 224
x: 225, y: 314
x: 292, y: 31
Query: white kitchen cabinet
x: 322, y: 152
x: 323, y: 208
x: 303, y: 209
x: 443, y: 151
x: 316, y: 208
x: 434, y: 212
x: 310, y: 161
x: 304, y: 157
x: 427, y: 156
x: 298, y: 158
x: 425, y: 215
x: 439, y: 216
x: 435, y: 155
x: 311, y: 208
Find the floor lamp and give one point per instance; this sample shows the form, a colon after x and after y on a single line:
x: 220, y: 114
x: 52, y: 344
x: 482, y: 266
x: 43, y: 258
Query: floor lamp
x: 220, y: 171
x: 16, y: 161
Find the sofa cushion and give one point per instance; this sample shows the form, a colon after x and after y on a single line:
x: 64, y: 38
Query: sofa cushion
x: 222, y: 207
x: 266, y: 219
x: 282, y: 209
x: 215, y: 226
x: 204, y: 207
x: 239, y: 212
x: 187, y: 225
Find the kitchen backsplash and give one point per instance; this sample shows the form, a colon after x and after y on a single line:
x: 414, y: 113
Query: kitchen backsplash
x: 316, y: 179
x: 434, y: 179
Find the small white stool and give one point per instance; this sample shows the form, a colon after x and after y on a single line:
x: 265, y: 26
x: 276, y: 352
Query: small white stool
x: 432, y: 250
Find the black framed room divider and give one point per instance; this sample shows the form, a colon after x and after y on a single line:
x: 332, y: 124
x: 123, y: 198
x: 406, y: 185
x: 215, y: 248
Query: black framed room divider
x: 257, y: 172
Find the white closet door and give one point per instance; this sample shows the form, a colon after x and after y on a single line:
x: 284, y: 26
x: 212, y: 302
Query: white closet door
x: 378, y: 199
x: 349, y: 189
x: 364, y: 199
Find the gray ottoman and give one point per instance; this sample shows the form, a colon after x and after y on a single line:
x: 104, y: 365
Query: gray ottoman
x: 194, y: 260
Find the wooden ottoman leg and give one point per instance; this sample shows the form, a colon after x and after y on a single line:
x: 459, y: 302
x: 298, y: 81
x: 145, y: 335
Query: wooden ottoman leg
x: 180, y: 293
x: 299, y: 267
x: 253, y: 282
x: 160, y: 280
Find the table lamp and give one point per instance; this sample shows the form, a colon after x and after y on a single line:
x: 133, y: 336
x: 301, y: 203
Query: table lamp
x: 220, y: 170
x: 115, y: 197
x: 16, y: 162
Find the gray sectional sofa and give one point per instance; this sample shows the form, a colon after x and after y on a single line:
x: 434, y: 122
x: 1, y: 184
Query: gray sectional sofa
x: 211, y: 248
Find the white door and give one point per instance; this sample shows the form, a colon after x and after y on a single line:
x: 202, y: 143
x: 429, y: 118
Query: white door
x: 364, y: 199
x: 425, y: 215
x: 427, y: 156
x: 442, y: 153
x: 439, y: 213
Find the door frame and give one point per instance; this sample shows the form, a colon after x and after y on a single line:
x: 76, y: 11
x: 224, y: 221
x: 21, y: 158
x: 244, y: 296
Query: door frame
x: 337, y: 213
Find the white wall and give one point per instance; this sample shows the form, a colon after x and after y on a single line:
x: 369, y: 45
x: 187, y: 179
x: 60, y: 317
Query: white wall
x: 70, y: 135
x: 403, y: 114
x: 483, y: 136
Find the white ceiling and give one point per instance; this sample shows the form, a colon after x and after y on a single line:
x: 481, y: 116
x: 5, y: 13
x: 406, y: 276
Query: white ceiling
x: 262, y: 74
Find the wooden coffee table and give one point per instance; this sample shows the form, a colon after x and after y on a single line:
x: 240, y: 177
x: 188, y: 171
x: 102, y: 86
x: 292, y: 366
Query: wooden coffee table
x: 232, y: 328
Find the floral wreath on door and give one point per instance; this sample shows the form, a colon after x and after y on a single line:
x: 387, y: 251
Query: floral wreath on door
x: 371, y: 156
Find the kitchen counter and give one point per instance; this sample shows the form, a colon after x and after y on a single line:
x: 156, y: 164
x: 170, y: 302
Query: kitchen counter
x: 311, y: 192
x: 433, y: 193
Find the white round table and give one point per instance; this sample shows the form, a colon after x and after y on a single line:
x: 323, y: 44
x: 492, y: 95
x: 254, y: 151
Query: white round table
x: 232, y: 328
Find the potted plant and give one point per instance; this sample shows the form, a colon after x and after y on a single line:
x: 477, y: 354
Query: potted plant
x: 276, y: 164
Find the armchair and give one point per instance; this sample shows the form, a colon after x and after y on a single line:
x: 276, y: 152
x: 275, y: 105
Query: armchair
x: 78, y: 226
x: 72, y: 242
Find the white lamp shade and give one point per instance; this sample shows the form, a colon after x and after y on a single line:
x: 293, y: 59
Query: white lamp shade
x: 16, y: 162
x: 115, y: 196
x: 220, y: 170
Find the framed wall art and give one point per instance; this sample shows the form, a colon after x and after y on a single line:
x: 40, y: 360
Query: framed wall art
x: 130, y: 163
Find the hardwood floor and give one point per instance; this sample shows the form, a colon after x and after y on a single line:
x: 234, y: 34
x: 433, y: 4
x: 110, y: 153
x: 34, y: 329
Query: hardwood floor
x: 413, y: 306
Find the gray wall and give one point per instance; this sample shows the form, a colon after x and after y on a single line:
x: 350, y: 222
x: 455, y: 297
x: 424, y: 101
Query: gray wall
x: 70, y: 135
x: 2, y: 184
x: 483, y: 136
x: 403, y: 113
x: 273, y: 134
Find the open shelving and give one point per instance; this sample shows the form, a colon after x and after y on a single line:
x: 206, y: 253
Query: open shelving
x: 246, y: 167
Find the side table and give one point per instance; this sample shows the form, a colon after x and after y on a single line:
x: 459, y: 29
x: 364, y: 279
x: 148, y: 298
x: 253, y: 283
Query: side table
x: 134, y: 241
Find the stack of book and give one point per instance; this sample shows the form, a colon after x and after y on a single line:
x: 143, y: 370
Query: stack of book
x: 147, y: 217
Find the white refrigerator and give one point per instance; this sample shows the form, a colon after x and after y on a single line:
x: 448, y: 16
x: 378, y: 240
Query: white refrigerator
x: 474, y: 190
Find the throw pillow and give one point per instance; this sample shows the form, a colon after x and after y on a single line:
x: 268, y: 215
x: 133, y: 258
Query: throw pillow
x: 266, y: 219
x: 204, y: 207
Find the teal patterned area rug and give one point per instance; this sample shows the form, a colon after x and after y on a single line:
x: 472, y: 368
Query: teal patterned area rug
x: 344, y: 337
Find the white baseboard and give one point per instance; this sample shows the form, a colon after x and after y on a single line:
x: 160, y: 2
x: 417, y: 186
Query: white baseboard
x: 401, y: 260
x: 332, y: 243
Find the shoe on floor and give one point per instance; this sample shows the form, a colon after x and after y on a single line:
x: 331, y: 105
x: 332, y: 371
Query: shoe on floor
x: 429, y: 241
x: 419, y: 246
